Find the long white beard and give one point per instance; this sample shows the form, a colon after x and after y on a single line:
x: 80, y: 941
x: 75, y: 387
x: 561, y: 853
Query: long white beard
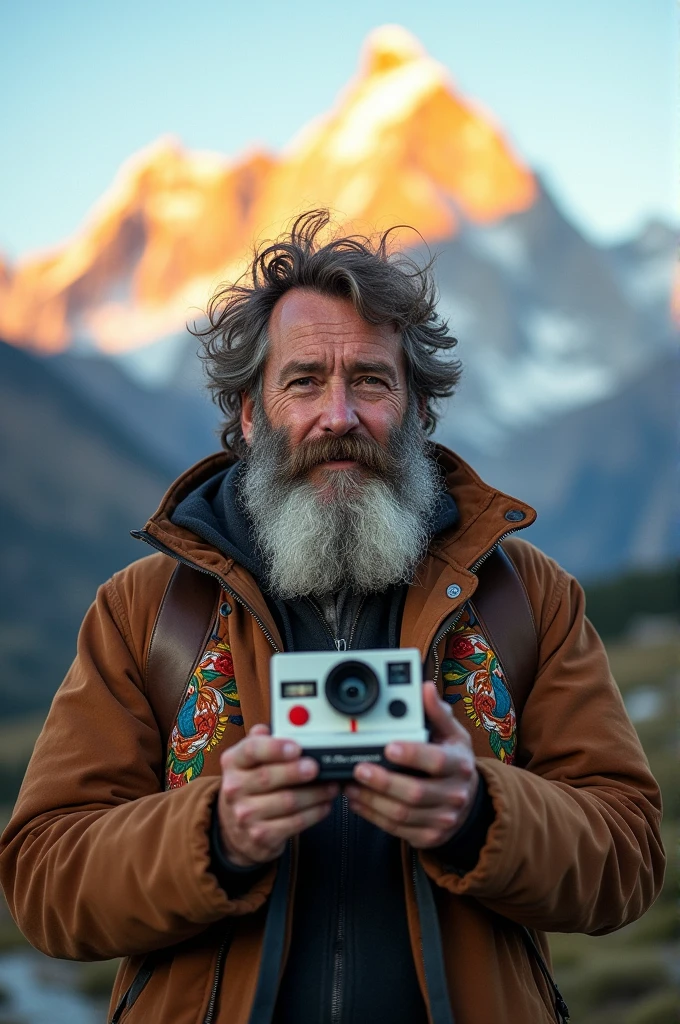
x: 360, y: 531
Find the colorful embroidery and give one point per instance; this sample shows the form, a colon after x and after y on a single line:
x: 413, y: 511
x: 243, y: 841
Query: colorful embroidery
x: 210, y: 704
x: 470, y: 664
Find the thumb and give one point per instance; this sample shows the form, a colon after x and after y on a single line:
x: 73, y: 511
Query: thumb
x: 259, y: 730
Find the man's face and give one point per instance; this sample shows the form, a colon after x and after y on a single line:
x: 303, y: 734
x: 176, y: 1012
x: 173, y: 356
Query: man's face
x: 329, y: 374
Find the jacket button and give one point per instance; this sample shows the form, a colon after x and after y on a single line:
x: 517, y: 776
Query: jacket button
x: 515, y: 515
x: 225, y: 608
x: 453, y: 590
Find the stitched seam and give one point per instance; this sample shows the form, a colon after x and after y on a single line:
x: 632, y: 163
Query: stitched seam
x: 560, y: 588
x: 118, y: 610
x: 442, y: 556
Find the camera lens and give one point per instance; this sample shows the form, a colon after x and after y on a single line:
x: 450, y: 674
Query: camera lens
x: 352, y: 688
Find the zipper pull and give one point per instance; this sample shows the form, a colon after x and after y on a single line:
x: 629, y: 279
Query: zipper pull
x: 341, y: 645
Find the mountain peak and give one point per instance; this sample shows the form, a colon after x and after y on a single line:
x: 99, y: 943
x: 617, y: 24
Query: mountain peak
x: 400, y: 146
x: 389, y: 47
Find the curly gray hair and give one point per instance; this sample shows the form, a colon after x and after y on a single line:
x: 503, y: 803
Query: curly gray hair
x: 385, y: 287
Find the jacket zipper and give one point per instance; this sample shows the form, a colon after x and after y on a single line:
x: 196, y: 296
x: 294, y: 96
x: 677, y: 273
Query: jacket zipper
x: 561, y: 1009
x: 152, y: 542
x: 135, y: 989
x: 450, y: 623
x: 339, y: 643
x: 219, y: 963
x: 324, y: 622
x: 338, y: 952
x: 355, y: 623
x: 487, y: 554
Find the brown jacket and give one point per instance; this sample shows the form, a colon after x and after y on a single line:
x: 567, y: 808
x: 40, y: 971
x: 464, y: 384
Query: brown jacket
x: 100, y: 861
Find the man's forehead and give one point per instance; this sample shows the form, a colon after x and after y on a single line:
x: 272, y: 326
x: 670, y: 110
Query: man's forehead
x: 303, y: 316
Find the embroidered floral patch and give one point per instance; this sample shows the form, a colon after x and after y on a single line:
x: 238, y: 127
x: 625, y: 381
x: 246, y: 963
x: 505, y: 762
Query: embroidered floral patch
x: 211, y: 702
x: 472, y: 674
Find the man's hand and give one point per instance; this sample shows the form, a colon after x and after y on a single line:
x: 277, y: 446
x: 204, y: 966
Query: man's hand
x: 263, y: 801
x: 425, y: 811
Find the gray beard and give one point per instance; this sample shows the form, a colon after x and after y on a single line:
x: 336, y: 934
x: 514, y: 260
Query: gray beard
x: 367, y: 533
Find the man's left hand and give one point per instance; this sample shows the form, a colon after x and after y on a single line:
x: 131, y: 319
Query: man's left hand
x: 428, y: 811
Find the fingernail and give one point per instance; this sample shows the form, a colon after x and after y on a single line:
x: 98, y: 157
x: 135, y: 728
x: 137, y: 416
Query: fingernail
x: 364, y: 771
x: 394, y: 750
x: 308, y: 766
x: 289, y: 749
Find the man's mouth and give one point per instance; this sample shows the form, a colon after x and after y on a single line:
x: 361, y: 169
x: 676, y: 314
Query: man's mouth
x: 339, y: 464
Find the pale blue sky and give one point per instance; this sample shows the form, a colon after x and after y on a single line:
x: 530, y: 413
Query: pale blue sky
x: 586, y: 91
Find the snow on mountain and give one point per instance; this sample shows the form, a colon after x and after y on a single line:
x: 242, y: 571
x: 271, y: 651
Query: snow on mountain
x: 645, y: 266
x: 543, y: 321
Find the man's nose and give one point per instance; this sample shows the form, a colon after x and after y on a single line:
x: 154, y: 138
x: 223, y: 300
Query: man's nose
x: 338, y: 415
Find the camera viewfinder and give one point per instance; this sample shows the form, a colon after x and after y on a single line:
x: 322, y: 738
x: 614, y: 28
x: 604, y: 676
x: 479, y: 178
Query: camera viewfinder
x: 398, y: 673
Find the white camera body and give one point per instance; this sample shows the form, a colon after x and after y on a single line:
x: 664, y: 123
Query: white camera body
x: 344, y: 707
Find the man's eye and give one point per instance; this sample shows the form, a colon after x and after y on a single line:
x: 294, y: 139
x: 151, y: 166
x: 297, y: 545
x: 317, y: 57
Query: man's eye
x: 371, y: 381
x: 301, y: 381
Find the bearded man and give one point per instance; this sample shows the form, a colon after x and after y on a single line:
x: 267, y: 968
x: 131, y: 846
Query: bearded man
x: 238, y: 887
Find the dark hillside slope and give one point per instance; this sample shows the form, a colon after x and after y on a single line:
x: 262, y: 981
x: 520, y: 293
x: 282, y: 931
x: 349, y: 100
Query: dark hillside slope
x: 72, y: 485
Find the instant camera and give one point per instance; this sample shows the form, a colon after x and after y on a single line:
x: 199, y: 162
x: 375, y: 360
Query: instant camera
x: 344, y: 707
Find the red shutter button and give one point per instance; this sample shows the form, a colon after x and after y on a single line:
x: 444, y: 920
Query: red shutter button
x: 298, y: 715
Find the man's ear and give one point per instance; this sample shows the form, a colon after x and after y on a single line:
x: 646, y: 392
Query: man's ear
x: 247, y: 406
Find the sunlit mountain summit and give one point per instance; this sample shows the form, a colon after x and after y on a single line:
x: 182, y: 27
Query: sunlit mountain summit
x: 401, y: 145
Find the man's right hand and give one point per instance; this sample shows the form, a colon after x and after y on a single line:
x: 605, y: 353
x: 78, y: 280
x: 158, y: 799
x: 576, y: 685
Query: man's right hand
x: 265, y: 797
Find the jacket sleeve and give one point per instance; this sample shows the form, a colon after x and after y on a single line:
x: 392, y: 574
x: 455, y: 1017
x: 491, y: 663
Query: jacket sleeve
x: 575, y: 842
x: 97, y: 860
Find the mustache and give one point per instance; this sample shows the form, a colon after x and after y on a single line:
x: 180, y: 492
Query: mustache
x: 365, y: 451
